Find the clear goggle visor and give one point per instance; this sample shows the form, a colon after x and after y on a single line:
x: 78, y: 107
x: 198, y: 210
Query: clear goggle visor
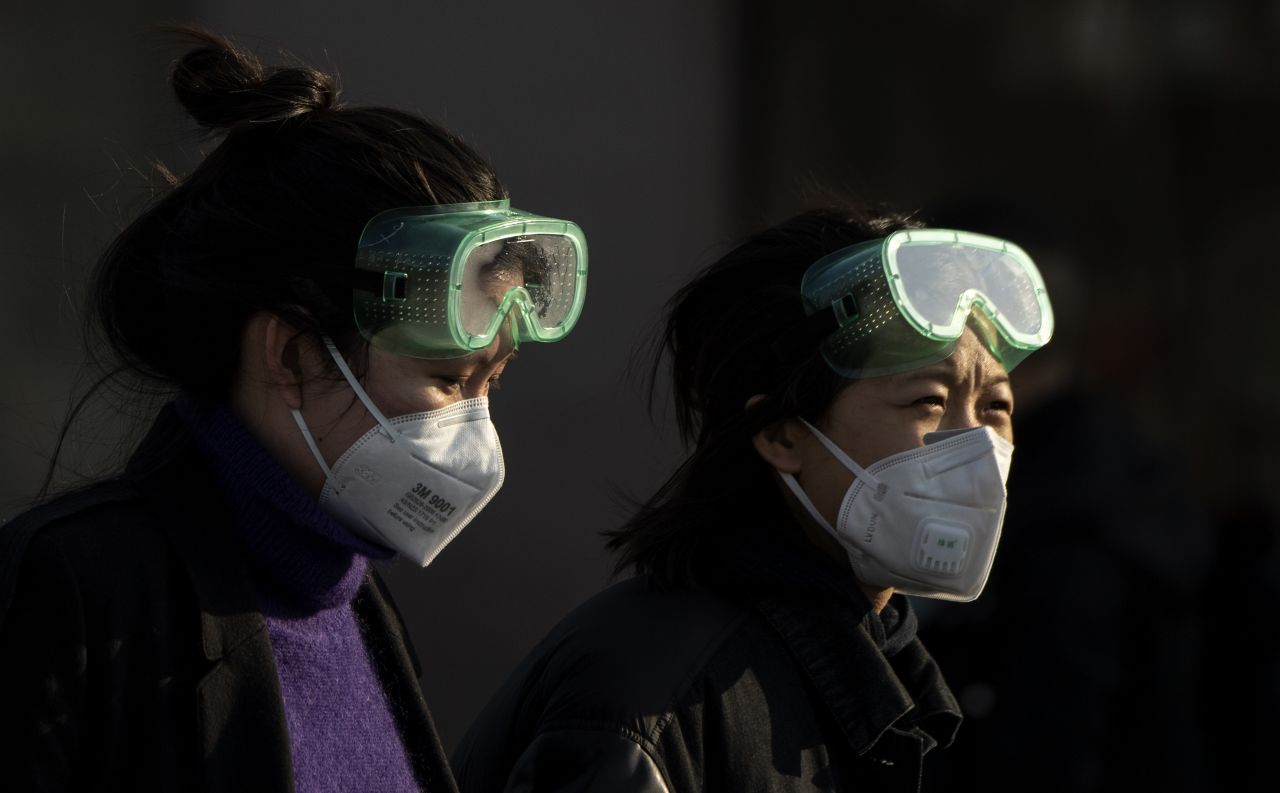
x: 441, y: 282
x: 902, y: 302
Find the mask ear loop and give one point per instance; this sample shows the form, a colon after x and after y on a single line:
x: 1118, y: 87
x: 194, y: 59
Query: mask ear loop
x: 866, y: 476
x: 861, y: 473
x: 360, y: 393
x: 315, y: 450
x: 790, y: 481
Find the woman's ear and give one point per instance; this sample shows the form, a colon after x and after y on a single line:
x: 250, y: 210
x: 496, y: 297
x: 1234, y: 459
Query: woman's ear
x: 281, y: 354
x: 777, y: 443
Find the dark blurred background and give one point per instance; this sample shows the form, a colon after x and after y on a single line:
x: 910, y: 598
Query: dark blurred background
x: 1129, y: 631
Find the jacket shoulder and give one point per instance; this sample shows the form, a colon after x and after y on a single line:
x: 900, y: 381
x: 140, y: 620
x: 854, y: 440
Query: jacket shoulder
x: 103, y: 527
x: 632, y: 649
x: 606, y: 673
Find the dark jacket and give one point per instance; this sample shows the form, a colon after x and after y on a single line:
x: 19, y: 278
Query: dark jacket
x: 133, y: 655
x: 649, y: 690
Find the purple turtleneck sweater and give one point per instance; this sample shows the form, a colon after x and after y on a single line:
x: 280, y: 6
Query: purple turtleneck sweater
x: 306, y: 571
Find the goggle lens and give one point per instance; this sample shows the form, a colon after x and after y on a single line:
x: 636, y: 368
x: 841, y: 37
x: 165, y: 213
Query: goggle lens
x: 941, y: 282
x: 902, y: 302
x: 440, y: 281
x: 537, y: 271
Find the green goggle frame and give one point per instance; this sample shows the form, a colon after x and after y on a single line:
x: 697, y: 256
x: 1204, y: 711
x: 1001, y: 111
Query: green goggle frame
x: 443, y: 281
x: 902, y: 302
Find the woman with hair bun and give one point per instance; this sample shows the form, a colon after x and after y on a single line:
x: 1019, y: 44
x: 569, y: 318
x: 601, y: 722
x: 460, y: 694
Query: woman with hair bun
x: 331, y: 294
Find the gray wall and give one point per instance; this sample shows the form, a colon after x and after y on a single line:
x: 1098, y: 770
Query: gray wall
x: 84, y: 113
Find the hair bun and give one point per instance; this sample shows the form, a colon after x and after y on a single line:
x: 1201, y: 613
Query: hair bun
x: 222, y: 86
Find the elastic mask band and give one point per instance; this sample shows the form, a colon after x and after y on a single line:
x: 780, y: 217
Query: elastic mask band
x: 790, y: 481
x: 355, y: 386
x: 858, y: 471
x: 311, y: 444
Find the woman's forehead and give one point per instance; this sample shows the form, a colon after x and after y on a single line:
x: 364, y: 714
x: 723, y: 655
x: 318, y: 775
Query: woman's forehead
x: 970, y: 361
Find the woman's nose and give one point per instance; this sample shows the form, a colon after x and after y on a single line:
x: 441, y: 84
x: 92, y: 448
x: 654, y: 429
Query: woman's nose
x: 477, y: 386
x: 961, y: 414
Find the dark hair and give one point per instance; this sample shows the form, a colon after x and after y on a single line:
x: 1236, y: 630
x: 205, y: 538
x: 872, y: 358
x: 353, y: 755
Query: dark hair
x: 719, y: 338
x: 269, y: 220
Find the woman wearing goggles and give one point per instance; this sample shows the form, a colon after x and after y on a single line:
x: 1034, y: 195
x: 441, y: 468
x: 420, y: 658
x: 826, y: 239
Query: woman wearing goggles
x: 843, y: 380
x: 332, y: 293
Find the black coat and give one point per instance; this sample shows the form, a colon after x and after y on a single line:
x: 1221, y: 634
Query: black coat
x: 133, y: 655
x: 649, y: 690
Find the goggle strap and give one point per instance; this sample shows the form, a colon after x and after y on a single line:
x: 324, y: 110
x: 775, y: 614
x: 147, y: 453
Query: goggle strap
x: 802, y: 337
x: 867, y: 478
x: 368, y: 280
x: 359, y: 392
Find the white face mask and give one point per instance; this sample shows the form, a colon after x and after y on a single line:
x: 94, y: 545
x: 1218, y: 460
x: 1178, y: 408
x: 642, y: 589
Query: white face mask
x: 925, y: 521
x: 413, y: 482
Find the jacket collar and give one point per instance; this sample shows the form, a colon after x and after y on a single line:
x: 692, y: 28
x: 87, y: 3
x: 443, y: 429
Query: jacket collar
x: 180, y: 488
x: 868, y: 693
x: 871, y: 683
x: 243, y: 734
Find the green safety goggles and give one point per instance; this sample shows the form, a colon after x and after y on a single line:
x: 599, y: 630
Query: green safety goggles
x: 443, y: 281
x: 902, y: 302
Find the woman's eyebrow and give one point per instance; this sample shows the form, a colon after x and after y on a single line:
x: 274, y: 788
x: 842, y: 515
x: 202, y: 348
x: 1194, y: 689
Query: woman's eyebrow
x: 477, y: 360
x: 947, y: 373
x: 452, y: 366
